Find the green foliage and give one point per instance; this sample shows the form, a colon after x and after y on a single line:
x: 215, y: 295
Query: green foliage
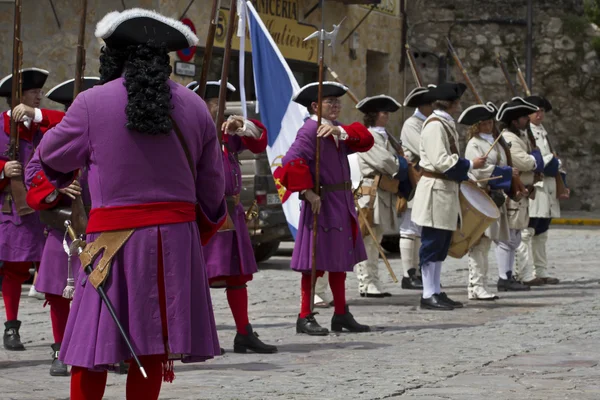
x: 592, y: 10
x: 574, y: 26
x: 596, y: 44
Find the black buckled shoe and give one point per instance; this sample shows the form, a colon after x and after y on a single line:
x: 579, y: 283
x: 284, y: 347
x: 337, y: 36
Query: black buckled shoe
x: 250, y: 341
x: 511, y: 284
x: 58, y: 368
x: 12, y: 339
x: 310, y: 326
x: 444, y: 297
x: 413, y: 282
x: 435, y: 302
x: 339, y: 322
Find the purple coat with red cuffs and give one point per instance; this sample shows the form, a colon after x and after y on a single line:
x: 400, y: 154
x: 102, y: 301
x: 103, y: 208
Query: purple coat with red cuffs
x: 128, y: 168
x: 230, y: 253
x: 339, y: 244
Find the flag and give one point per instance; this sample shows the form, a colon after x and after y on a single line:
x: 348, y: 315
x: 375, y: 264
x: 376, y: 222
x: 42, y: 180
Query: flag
x: 275, y: 85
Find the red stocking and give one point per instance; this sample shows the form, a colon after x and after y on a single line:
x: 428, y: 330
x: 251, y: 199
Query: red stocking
x: 139, y: 388
x: 86, y: 384
x: 305, y: 296
x: 59, y: 313
x: 238, y: 302
x: 337, y: 283
x: 15, y: 273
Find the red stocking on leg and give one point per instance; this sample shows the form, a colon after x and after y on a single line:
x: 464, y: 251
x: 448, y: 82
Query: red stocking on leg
x: 237, y: 297
x: 86, y: 384
x: 139, y: 388
x: 15, y: 273
x: 305, y: 296
x: 59, y: 314
x: 337, y: 283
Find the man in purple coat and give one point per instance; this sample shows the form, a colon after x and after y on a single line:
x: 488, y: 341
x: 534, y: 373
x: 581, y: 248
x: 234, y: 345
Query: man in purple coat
x: 339, y: 244
x: 156, y: 182
x: 229, y: 256
x: 21, y: 237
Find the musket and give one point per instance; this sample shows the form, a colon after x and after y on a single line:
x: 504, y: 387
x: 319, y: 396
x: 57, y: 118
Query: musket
x: 561, y: 188
x: 78, y: 213
x: 78, y: 245
x: 509, y: 82
x: 208, y: 47
x: 225, y: 70
x: 518, y: 189
x: 322, y: 35
x: 18, y: 192
x: 413, y: 66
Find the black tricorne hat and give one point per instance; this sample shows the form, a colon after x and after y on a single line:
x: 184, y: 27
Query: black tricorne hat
x: 419, y: 96
x: 310, y: 93
x: 515, y: 109
x: 63, y: 92
x: 32, y: 78
x: 539, y: 101
x: 448, y: 91
x: 192, y: 85
x: 138, y: 26
x: 378, y: 103
x: 478, y: 113
x: 212, y: 89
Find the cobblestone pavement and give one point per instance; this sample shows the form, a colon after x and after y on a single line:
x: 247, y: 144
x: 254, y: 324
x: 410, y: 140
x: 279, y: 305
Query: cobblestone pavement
x: 542, y: 344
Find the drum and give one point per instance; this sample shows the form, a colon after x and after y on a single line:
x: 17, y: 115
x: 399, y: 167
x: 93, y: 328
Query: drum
x: 478, y: 213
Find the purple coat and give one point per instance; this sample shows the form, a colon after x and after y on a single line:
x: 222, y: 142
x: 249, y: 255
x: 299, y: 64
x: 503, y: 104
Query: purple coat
x: 21, y: 238
x: 53, y: 270
x: 128, y: 168
x: 339, y: 246
x: 230, y: 253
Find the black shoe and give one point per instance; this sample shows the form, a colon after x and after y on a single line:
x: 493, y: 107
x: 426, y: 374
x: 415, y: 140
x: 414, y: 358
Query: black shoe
x: 12, y: 339
x: 310, y: 326
x: 444, y: 297
x: 222, y: 351
x: 435, y: 303
x: 511, y: 284
x: 339, y: 322
x: 250, y: 341
x: 58, y: 368
x: 412, y: 283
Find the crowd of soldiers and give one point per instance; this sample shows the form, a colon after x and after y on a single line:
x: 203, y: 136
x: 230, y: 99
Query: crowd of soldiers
x: 166, y: 223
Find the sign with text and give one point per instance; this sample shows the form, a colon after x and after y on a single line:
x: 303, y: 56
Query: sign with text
x: 185, y: 69
x: 280, y: 18
x: 389, y: 7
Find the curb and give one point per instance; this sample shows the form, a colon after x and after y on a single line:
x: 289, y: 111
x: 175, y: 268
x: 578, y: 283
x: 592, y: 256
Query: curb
x: 576, y: 221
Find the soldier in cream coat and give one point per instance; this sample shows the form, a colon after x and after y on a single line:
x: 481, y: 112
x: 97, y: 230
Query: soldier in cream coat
x: 528, y: 161
x: 410, y: 233
x: 436, y: 205
x: 480, y: 118
x: 545, y: 206
x: 380, y: 162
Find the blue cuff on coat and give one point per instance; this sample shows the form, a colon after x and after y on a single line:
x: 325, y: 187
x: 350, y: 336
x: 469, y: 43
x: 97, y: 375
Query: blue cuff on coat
x: 551, y: 169
x: 405, y: 188
x: 402, y: 174
x: 504, y: 182
x: 459, y: 171
x: 539, y: 161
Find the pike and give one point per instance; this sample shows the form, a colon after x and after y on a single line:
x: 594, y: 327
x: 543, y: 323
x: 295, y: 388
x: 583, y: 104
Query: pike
x: 18, y: 192
x: 225, y: 70
x: 208, y: 47
x: 322, y: 35
x: 518, y: 189
x: 413, y: 66
x: 561, y: 189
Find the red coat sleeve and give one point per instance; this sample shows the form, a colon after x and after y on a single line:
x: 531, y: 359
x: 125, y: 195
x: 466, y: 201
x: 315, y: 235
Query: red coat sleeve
x: 39, y: 189
x: 359, y: 138
x: 208, y: 228
x: 256, y: 145
x: 4, y: 182
x: 296, y: 176
x: 50, y: 118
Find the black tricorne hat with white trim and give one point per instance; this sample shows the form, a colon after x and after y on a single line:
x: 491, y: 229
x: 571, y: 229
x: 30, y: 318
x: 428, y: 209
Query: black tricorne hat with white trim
x: 419, y: 96
x: 31, y: 78
x: 539, y: 101
x: 213, y: 88
x: 378, y: 103
x: 448, y: 91
x: 63, y: 92
x: 192, y: 85
x: 310, y: 93
x: 139, y: 26
x: 478, y: 113
x: 515, y: 109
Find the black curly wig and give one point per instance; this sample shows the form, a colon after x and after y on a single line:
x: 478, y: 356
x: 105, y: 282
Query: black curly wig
x: 146, y: 69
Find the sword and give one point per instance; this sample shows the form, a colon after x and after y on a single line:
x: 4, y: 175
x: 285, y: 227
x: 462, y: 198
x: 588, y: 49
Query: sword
x: 80, y: 245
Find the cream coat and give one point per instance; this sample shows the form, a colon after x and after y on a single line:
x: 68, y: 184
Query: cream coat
x: 518, y: 212
x: 380, y: 159
x: 411, y: 141
x: 436, y: 201
x: 478, y: 147
x: 545, y: 204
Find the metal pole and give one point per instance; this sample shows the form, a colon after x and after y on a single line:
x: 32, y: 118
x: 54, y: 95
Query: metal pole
x: 403, y: 41
x: 529, y: 56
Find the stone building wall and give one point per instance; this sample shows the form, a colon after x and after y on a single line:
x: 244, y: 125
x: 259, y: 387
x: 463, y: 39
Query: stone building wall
x: 566, y: 65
